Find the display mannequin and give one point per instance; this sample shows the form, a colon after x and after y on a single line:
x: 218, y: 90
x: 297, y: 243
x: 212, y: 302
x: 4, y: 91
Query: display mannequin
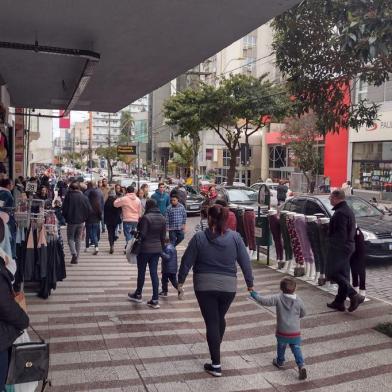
x: 286, y: 239
x: 312, y: 231
x: 323, y: 235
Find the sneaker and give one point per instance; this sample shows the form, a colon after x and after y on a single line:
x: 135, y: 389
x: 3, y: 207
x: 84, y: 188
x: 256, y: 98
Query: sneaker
x: 355, y: 302
x: 181, y: 293
x: 302, y: 375
x: 336, y: 306
x: 111, y: 250
x: 85, y: 250
x: 163, y: 294
x: 277, y: 364
x: 135, y: 298
x: 215, y: 371
x: 74, y: 259
x: 96, y: 250
x: 153, y: 304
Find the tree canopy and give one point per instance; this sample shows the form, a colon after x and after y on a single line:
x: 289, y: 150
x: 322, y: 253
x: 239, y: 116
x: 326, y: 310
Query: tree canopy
x: 324, y: 46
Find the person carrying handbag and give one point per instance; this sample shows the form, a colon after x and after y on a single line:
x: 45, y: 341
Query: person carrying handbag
x: 151, y: 236
x: 13, y: 319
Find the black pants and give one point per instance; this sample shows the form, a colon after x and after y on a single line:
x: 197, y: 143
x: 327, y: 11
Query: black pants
x: 165, y: 280
x: 341, y: 276
x: 358, y: 272
x: 111, y: 234
x: 214, y: 306
x: 3, y: 369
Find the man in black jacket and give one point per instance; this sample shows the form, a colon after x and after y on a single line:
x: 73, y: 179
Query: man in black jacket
x: 76, y: 210
x: 13, y: 320
x: 341, y: 246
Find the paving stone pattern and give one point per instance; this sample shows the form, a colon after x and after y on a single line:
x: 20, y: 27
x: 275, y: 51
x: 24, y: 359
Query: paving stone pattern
x: 102, y: 342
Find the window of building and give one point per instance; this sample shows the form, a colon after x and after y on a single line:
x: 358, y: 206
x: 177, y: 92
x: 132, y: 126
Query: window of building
x: 377, y: 94
x: 277, y: 157
x: 209, y: 154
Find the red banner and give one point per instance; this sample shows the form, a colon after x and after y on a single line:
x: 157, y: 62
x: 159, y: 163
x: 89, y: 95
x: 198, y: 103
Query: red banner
x: 65, y: 122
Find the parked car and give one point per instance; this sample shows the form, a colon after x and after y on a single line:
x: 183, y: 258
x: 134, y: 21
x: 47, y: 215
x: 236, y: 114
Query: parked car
x: 375, y: 225
x: 272, y: 187
x: 238, y: 196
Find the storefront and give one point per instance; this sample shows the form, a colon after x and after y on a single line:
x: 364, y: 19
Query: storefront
x: 370, y: 162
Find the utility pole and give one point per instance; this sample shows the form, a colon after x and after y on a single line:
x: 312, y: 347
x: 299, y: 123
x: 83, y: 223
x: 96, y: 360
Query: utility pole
x: 90, y: 136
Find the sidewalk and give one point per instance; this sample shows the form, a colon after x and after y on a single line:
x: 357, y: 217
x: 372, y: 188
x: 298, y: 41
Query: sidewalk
x: 102, y: 342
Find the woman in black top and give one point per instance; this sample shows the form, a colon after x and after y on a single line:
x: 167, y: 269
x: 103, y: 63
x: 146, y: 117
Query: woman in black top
x: 112, y: 216
x: 152, y: 232
x: 214, y: 254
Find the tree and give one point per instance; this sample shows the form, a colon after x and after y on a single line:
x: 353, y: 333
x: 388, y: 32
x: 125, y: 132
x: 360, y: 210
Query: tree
x: 301, y: 134
x: 126, y: 124
x: 110, y: 155
x: 183, y: 112
x: 183, y: 153
x: 239, y: 107
x: 324, y: 46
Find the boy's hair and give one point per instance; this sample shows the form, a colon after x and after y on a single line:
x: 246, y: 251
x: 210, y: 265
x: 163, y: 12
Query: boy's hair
x: 288, y: 285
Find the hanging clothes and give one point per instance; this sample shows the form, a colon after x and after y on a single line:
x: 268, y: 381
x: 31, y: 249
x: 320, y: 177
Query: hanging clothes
x: 249, y: 228
x: 358, y: 262
x: 239, y: 213
x: 323, y: 229
x: 300, y: 228
x: 288, y: 250
x: 276, y: 231
x: 29, y: 262
x: 314, y: 239
x: 295, y: 244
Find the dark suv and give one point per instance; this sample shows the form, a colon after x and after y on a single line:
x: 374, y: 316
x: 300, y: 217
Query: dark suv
x: 376, y: 227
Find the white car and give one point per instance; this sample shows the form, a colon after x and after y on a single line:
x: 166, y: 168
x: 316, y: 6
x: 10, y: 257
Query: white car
x: 272, y: 187
x: 234, y: 184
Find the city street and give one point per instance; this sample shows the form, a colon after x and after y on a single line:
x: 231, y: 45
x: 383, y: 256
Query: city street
x: 102, y: 342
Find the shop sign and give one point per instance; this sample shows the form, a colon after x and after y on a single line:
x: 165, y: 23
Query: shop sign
x: 380, y: 131
x: 31, y: 187
x: 19, y: 144
x: 126, y: 150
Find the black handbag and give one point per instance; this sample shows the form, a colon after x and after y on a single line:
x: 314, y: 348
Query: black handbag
x: 137, y: 244
x: 29, y: 362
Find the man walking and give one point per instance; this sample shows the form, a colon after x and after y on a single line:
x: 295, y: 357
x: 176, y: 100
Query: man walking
x: 76, y: 210
x: 281, y: 192
x: 105, y: 192
x: 176, y: 220
x: 162, y: 198
x: 131, y: 212
x: 341, y: 245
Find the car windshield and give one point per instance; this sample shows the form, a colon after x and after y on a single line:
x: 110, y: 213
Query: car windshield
x: 361, y: 208
x: 242, y: 195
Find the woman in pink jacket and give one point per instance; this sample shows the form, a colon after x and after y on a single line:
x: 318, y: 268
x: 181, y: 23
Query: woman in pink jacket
x: 131, y: 212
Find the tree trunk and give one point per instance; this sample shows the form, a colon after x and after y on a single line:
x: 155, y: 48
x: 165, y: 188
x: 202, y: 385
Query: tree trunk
x: 232, y: 167
x: 307, y: 182
x: 110, y: 171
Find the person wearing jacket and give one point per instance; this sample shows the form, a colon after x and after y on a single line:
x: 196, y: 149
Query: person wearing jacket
x: 13, y: 319
x: 112, y: 216
x: 131, y: 207
x: 162, y: 198
x: 93, y: 223
x: 76, y: 211
x: 341, y: 245
x: 152, y: 233
x: 169, y: 269
x: 214, y: 255
x: 7, y: 202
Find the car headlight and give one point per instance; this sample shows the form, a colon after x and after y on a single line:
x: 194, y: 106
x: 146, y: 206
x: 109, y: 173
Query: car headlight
x: 368, y: 235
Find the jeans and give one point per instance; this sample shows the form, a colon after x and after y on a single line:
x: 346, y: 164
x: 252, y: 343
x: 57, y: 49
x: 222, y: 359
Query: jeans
x: 111, y: 234
x: 74, y: 233
x: 3, y: 369
x: 214, y: 306
x: 93, y: 231
x: 128, y: 227
x: 295, y: 349
x: 165, y: 280
x: 150, y: 259
x: 176, y: 236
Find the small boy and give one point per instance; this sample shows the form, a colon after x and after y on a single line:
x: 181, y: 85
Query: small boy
x: 169, y: 269
x: 289, y: 310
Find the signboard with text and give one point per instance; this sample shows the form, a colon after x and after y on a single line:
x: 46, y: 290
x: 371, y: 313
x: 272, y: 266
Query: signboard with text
x: 127, y: 150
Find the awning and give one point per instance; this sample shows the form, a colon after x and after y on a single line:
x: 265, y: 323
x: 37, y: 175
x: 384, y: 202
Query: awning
x: 141, y: 44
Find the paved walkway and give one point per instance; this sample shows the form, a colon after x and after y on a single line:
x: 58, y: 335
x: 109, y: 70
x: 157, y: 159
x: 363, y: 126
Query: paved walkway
x: 102, y: 342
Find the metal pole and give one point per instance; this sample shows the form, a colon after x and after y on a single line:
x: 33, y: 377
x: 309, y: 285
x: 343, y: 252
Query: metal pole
x: 138, y: 165
x: 90, y: 136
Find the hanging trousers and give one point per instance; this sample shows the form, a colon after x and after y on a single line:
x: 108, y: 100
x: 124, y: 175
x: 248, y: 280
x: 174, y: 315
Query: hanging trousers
x: 276, y: 231
x: 300, y: 228
x: 323, y: 237
x: 286, y: 238
x: 358, y: 262
x: 249, y: 228
x: 295, y: 244
x: 314, y: 239
x: 240, y: 224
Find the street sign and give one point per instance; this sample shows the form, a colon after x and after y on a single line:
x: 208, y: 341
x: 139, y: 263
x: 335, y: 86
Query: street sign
x: 127, y: 150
